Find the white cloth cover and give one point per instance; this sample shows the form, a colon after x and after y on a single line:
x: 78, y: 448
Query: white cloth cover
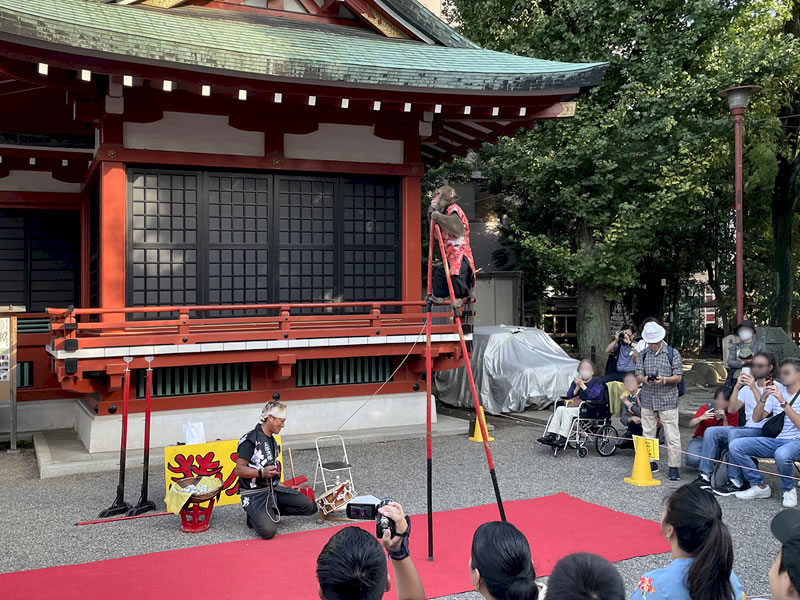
x: 514, y: 367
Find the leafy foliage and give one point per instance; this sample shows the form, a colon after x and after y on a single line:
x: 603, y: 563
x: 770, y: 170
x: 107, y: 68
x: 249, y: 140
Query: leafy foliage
x: 638, y: 186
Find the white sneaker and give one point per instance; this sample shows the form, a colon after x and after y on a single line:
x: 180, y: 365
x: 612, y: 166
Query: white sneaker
x: 790, y: 498
x: 754, y: 492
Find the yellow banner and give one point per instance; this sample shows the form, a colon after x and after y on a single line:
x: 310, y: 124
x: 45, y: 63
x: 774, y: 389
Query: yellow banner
x: 652, y: 445
x: 212, y: 459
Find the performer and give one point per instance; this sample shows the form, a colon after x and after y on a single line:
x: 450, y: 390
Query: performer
x: 263, y: 498
x: 445, y: 212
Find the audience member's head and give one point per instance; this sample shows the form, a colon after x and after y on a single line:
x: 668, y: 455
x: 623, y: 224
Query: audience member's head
x: 586, y: 369
x: 653, y: 334
x: 352, y: 566
x: 585, y: 576
x: 630, y: 382
x: 501, y: 567
x: 784, y: 576
x: 722, y: 398
x: 692, y: 524
x: 764, y: 365
x: 790, y: 371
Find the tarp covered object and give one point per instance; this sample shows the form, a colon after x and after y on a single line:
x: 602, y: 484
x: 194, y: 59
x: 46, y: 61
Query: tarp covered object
x: 515, y: 368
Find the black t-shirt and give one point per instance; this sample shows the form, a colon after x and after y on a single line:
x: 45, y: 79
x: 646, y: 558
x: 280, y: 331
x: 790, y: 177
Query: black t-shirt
x: 260, y: 450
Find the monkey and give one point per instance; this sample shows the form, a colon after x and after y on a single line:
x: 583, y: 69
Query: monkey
x: 445, y: 212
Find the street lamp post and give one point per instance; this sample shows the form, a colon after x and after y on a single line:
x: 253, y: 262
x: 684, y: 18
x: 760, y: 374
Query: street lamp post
x: 737, y: 102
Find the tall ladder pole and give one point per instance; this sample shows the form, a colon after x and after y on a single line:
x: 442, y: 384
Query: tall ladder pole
x: 428, y: 384
x: 468, y: 367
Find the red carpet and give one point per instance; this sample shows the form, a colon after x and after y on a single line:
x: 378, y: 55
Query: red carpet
x: 554, y: 525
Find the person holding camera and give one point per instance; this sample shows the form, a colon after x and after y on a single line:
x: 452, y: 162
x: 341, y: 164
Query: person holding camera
x: 352, y: 565
x: 622, y: 348
x: 715, y: 414
x: 778, y: 440
x: 264, y: 500
x: 660, y: 371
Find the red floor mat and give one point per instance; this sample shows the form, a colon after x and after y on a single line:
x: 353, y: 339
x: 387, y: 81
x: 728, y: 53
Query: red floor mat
x: 555, y: 526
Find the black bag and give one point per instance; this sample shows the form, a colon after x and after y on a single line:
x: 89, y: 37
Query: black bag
x: 774, y: 425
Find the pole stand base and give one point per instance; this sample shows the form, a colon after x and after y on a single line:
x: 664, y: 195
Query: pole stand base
x: 144, y: 506
x: 114, y: 510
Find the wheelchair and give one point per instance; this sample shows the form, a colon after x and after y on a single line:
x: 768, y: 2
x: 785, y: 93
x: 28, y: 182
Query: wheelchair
x: 593, y: 423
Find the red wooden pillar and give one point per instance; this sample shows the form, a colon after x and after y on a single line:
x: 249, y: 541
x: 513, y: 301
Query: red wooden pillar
x: 412, y: 240
x: 112, y: 237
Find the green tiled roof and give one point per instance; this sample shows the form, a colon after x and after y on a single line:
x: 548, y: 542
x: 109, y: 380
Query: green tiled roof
x: 264, y: 47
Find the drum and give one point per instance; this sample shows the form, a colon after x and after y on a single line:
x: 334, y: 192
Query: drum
x: 336, y: 498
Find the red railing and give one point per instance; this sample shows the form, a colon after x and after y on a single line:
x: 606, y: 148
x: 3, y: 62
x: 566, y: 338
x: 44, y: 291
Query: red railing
x: 80, y: 328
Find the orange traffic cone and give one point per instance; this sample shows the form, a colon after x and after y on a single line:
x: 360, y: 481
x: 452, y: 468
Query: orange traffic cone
x: 642, y: 474
x: 477, y: 435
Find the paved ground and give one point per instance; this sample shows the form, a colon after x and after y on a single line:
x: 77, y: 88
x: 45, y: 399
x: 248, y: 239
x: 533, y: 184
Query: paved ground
x: 38, y: 516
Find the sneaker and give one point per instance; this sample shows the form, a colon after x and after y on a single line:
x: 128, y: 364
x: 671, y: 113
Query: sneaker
x: 729, y: 488
x: 702, y: 482
x: 754, y: 492
x: 654, y: 466
x: 674, y: 474
x: 790, y: 498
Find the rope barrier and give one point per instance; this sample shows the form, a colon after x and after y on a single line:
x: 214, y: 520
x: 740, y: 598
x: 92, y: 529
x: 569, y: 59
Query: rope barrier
x: 611, y: 437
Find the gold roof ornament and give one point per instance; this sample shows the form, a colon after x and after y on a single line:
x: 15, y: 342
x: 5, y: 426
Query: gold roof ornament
x: 162, y: 3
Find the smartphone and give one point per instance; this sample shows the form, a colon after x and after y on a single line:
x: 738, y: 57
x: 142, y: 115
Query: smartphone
x: 746, y: 371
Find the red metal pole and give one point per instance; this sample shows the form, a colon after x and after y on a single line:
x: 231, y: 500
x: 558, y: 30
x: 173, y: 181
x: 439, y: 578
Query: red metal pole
x: 738, y: 114
x: 468, y: 367
x: 428, y: 383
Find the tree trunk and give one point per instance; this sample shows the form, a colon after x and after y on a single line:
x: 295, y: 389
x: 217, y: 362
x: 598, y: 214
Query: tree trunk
x: 720, y: 297
x: 594, y: 324
x: 785, y: 196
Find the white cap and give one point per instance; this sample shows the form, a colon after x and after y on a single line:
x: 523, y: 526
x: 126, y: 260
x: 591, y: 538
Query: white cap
x: 653, y: 333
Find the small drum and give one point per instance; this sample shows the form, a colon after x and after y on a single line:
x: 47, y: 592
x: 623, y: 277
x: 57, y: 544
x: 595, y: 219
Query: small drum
x: 336, y: 498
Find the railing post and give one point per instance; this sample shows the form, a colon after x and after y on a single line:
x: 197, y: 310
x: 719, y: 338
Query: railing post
x: 183, y: 328
x: 375, y: 320
x: 286, y: 324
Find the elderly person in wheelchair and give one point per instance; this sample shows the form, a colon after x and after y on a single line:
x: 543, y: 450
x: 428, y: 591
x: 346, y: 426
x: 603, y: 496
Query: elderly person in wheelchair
x: 586, y: 401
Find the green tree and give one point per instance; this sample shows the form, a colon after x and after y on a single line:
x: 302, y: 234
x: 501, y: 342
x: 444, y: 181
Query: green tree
x: 635, y: 188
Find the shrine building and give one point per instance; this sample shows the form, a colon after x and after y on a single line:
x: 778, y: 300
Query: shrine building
x: 233, y: 188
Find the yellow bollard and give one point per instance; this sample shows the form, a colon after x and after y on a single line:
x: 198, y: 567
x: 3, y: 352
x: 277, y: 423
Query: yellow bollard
x: 477, y: 434
x: 642, y: 475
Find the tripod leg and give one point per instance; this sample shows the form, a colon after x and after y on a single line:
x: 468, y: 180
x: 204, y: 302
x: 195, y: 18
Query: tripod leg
x: 120, y: 506
x: 144, y: 505
x: 468, y: 368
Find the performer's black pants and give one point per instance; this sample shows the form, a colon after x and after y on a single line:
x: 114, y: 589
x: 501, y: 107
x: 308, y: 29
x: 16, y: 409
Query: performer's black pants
x: 290, y: 503
x: 462, y: 281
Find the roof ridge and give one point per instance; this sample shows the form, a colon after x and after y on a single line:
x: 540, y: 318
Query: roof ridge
x: 423, y: 18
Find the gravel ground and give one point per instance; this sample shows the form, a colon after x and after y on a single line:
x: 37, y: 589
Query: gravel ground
x: 38, y: 517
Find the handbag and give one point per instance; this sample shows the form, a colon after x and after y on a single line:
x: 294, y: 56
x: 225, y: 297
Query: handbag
x: 774, y: 425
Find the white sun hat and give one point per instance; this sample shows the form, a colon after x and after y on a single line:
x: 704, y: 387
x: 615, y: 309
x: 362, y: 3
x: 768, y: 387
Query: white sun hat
x: 653, y: 333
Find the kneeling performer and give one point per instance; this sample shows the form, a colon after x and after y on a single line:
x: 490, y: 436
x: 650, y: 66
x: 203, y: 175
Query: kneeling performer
x: 455, y: 233
x: 263, y: 498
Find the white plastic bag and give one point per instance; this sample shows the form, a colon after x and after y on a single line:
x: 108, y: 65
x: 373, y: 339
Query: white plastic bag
x: 194, y: 433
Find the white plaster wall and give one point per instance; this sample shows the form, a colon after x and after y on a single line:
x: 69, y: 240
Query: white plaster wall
x: 102, y: 433
x: 39, y: 415
x: 36, y: 181
x: 353, y: 143
x: 188, y: 132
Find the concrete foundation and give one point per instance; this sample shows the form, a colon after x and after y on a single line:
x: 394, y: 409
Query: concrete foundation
x: 305, y: 417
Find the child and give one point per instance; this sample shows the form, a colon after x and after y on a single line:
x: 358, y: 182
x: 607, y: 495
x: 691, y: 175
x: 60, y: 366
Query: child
x: 709, y: 415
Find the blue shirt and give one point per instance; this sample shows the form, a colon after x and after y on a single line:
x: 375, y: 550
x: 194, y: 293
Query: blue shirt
x: 670, y: 583
x: 625, y: 357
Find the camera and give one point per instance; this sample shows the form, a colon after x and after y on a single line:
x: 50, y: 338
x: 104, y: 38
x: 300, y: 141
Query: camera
x: 621, y: 337
x: 652, y: 377
x: 365, y: 508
